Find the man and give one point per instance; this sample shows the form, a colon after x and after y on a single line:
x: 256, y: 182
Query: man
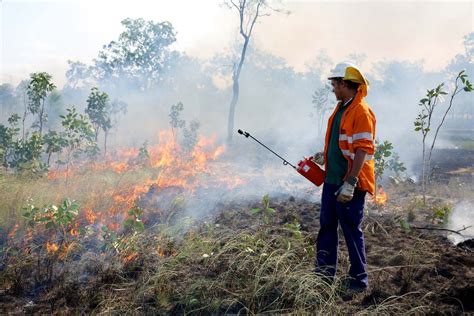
x: 349, y: 166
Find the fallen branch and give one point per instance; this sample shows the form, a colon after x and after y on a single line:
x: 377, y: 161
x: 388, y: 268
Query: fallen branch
x: 401, y: 266
x: 443, y: 229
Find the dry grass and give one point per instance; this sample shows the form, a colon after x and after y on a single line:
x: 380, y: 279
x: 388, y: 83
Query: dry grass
x: 191, y: 267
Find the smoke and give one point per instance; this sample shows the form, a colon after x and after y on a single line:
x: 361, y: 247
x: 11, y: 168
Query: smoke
x: 275, y: 106
x: 461, y: 217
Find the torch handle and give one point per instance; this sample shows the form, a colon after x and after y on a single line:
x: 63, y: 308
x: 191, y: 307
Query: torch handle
x: 285, y: 162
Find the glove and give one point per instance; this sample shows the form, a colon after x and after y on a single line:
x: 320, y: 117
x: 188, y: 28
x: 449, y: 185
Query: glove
x: 345, y: 192
x: 319, y: 158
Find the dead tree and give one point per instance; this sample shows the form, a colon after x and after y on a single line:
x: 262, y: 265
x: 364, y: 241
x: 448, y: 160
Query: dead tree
x: 249, y: 11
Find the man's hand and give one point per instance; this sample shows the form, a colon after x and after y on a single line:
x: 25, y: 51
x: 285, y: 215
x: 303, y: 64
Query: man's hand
x: 319, y: 158
x: 345, y: 192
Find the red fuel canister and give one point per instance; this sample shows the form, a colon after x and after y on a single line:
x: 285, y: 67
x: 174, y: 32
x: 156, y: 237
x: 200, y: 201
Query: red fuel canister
x: 311, y: 171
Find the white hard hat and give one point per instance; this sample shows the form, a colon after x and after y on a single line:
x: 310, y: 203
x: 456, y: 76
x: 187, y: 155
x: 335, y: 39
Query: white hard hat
x: 340, y: 70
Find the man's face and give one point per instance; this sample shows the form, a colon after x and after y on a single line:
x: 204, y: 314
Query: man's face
x: 338, y: 87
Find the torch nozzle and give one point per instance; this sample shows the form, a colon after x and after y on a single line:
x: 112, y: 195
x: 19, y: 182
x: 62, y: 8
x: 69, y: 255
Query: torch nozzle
x: 243, y: 133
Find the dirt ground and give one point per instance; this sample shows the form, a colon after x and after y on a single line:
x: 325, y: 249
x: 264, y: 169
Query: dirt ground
x: 420, y: 266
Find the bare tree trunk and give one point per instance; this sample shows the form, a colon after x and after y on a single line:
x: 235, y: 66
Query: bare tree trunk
x: 105, y: 143
x: 235, y: 92
x: 24, y: 116
x: 246, y: 32
x: 233, y: 103
x: 41, y: 119
x: 23, y: 124
x: 423, y: 172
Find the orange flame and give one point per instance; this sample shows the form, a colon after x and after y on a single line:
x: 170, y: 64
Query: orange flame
x: 380, y: 198
x: 51, y: 247
x: 168, y: 164
x: 90, y: 216
x: 12, y: 233
x: 131, y: 257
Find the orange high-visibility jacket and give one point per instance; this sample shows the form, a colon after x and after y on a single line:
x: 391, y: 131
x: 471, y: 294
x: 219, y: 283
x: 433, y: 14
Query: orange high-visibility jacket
x: 357, y: 131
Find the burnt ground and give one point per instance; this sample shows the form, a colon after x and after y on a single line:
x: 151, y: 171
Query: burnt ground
x: 450, y: 162
x: 422, y: 267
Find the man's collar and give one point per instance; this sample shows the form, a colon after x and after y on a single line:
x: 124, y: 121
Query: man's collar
x: 347, y: 102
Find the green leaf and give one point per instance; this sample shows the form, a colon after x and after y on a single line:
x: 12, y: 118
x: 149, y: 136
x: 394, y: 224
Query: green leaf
x: 255, y: 210
x: 266, y: 200
x: 270, y: 210
x: 49, y: 225
x: 404, y: 225
x: 139, y: 226
x: 128, y: 222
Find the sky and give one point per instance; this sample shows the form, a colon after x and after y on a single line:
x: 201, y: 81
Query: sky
x: 44, y: 35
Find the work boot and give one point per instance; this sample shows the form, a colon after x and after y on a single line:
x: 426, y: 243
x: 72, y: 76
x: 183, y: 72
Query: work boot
x: 324, y: 276
x: 351, y: 287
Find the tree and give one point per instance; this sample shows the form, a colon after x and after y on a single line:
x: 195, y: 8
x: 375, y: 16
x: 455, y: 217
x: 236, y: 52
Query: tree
x: 21, y: 92
x: 54, y: 110
x: 38, y: 89
x: 7, y: 138
x: 77, y: 74
x: 116, y: 108
x: 320, y: 104
x: 54, y: 142
x: 424, y: 119
x: 190, y: 136
x: 26, y: 156
x: 7, y: 99
x: 175, y: 121
x: 78, y: 133
x: 140, y: 54
x: 249, y: 11
x: 383, y: 150
x: 97, y: 105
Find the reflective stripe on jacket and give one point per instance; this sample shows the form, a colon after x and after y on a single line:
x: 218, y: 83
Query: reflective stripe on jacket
x: 357, y: 131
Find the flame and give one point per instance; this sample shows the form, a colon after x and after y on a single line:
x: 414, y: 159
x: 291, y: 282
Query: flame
x: 167, y: 165
x: 51, y: 247
x: 12, y: 233
x: 381, y: 197
x: 90, y: 216
x: 113, y: 226
x: 161, y: 252
x: 131, y: 257
x: 165, y: 253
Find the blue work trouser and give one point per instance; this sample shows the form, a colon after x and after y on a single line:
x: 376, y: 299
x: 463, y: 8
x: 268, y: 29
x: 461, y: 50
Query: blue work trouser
x: 349, y: 215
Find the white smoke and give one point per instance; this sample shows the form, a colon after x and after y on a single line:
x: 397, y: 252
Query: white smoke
x: 461, y: 217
